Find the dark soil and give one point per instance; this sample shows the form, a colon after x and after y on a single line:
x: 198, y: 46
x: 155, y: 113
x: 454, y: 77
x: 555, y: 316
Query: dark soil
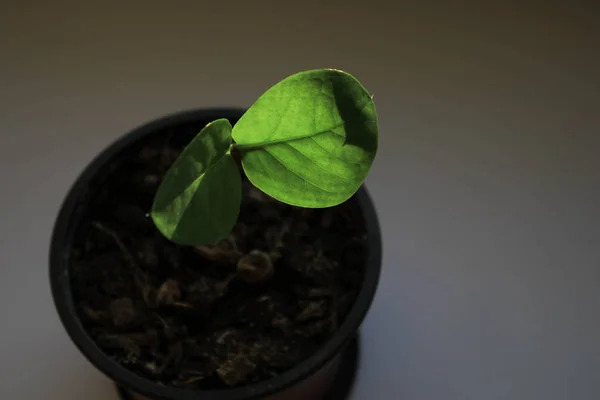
x: 211, y: 316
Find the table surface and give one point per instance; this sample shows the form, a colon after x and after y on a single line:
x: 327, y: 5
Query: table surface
x: 486, y: 181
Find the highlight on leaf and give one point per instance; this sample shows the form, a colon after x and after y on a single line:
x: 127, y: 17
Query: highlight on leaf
x: 309, y: 140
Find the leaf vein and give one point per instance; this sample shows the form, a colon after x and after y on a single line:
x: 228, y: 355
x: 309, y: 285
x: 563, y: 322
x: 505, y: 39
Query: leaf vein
x: 318, y: 165
x: 297, y: 174
x: 333, y: 155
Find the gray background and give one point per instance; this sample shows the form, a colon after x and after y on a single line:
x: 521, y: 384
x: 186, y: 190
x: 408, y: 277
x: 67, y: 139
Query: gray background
x: 487, y: 179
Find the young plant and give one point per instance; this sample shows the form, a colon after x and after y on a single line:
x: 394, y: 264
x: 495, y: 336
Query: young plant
x: 308, y: 141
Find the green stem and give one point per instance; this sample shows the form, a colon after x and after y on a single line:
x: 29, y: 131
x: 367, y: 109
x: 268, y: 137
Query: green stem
x: 237, y: 154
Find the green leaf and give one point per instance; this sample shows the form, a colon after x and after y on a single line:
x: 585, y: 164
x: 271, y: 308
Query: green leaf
x: 309, y: 140
x: 199, y: 199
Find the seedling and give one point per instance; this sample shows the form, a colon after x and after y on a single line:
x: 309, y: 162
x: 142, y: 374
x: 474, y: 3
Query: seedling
x: 308, y: 141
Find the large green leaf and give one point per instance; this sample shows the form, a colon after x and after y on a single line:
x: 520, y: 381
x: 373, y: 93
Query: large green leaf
x: 309, y: 140
x: 199, y: 199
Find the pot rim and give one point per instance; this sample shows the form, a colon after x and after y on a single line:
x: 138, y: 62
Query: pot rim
x: 61, y: 292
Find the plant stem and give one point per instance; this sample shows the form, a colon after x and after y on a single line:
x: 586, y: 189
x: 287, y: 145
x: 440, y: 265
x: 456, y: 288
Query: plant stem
x: 236, y: 154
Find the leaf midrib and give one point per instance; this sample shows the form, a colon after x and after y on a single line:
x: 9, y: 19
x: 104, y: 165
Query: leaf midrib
x: 253, y: 146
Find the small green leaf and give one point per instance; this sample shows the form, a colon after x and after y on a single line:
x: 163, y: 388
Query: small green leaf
x: 199, y: 199
x: 311, y: 139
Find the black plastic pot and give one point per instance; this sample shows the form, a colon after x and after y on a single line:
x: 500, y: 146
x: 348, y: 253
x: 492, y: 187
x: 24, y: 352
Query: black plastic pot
x: 308, y: 380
